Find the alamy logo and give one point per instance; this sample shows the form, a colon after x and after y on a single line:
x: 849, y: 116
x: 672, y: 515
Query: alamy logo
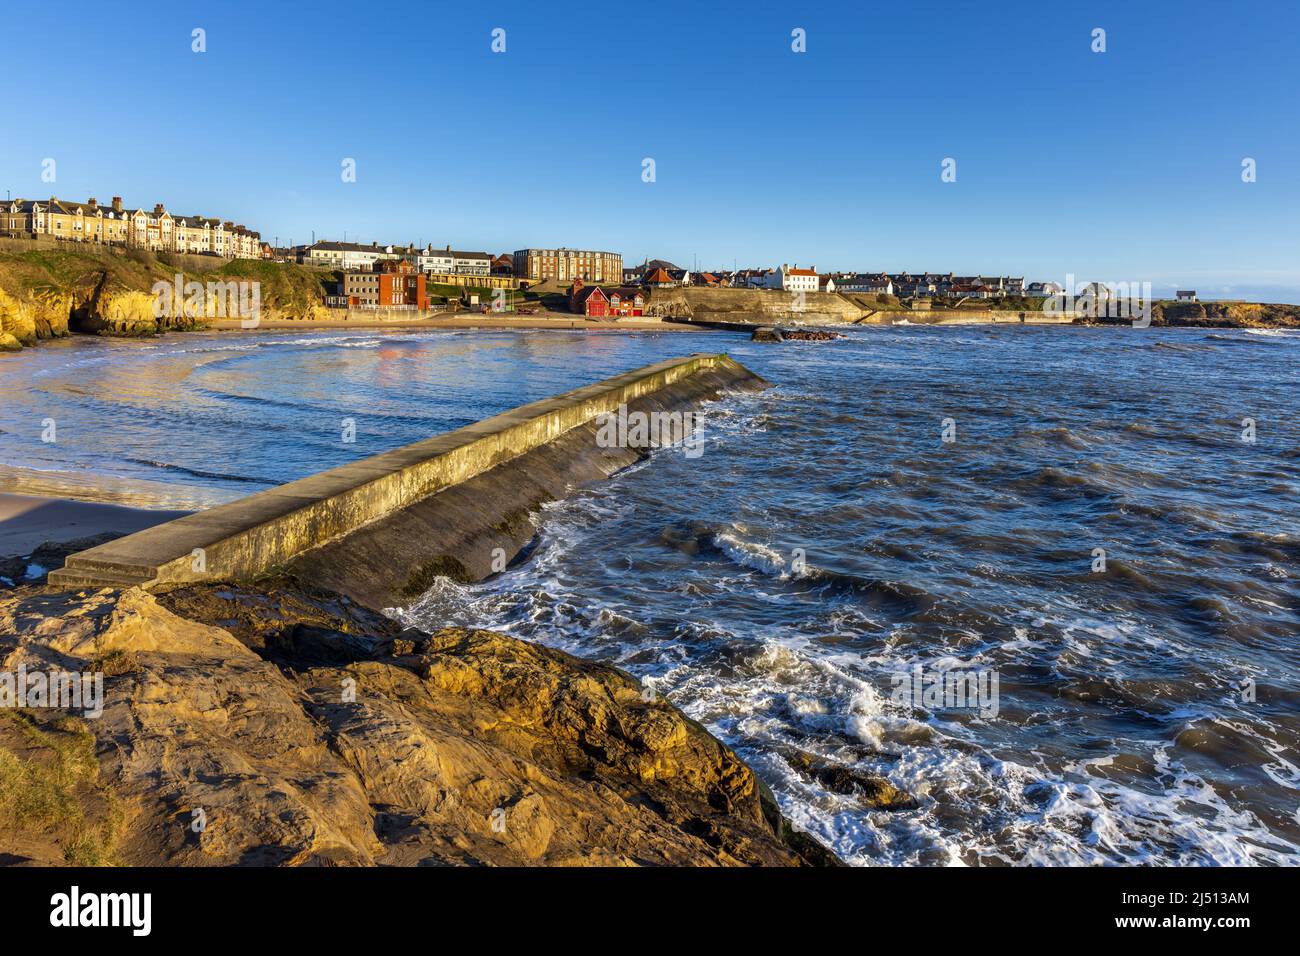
x: 952, y: 689
x: 178, y: 298
x: 103, y: 909
x: 1112, y: 300
x: 624, y: 429
x: 66, y: 690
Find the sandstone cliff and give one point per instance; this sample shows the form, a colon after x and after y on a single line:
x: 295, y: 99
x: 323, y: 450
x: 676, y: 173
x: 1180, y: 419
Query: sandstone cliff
x: 49, y: 291
x: 275, y: 725
x: 1247, y: 315
x: 35, y: 315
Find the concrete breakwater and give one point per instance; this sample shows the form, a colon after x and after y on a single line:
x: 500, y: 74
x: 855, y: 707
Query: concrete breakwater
x: 381, y: 528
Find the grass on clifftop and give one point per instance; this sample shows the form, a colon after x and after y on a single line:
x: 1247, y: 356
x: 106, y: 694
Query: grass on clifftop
x: 285, y: 285
x: 48, y: 779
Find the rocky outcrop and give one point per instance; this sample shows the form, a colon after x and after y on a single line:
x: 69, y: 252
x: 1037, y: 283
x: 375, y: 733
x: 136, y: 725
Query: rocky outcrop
x: 108, y: 290
x: 26, y: 319
x: 1226, y: 315
x: 278, y: 725
x: 752, y: 306
x: 125, y: 312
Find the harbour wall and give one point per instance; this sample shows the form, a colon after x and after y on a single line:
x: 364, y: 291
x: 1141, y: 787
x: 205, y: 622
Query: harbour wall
x: 381, y: 528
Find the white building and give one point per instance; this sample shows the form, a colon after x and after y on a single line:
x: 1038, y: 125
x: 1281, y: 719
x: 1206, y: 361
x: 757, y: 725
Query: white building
x: 471, y: 263
x: 449, y: 261
x: 347, y: 256
x: 792, y: 279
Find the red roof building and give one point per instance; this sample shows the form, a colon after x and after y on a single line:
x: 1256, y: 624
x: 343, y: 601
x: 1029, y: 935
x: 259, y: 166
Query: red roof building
x: 595, y: 303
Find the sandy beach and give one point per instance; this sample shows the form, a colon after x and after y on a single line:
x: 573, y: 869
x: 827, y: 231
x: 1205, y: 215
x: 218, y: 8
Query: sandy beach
x: 29, y: 521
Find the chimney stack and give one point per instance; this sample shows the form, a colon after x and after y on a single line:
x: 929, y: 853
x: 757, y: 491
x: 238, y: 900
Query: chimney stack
x: 117, y: 204
x: 93, y: 203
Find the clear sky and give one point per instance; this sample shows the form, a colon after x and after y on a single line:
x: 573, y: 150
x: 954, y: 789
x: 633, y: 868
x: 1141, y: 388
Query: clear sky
x: 1117, y: 166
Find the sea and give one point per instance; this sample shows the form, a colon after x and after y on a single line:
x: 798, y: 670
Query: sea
x: 1044, y: 581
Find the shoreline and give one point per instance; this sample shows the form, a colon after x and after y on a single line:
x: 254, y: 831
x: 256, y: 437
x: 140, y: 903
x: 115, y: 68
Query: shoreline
x: 45, y: 528
x: 456, y: 729
x: 460, y: 321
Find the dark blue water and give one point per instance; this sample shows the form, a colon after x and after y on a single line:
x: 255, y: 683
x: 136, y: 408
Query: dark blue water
x: 829, y: 540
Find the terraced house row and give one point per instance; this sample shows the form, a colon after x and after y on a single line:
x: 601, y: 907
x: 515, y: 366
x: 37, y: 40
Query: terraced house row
x: 115, y: 225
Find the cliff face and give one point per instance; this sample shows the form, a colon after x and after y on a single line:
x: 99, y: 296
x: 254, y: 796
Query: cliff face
x: 124, y: 312
x: 1226, y: 314
x: 36, y: 315
x: 47, y: 292
x: 273, y: 725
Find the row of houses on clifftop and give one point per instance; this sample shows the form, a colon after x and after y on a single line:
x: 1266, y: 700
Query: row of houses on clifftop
x: 116, y: 225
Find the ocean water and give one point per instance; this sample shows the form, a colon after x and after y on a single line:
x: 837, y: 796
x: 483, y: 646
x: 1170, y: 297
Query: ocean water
x: 1097, y: 534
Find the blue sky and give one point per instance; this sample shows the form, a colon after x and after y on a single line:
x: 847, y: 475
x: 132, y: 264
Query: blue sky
x: 1117, y: 166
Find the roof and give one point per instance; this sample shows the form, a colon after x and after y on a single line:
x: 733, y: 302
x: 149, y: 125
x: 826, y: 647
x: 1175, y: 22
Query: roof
x: 330, y: 246
x: 801, y: 272
x: 586, y: 292
x: 658, y: 275
x: 456, y: 254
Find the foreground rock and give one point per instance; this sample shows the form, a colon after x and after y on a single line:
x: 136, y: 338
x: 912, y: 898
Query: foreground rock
x: 279, y: 726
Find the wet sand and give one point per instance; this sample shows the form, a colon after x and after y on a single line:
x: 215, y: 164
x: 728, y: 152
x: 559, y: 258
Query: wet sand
x: 29, y: 521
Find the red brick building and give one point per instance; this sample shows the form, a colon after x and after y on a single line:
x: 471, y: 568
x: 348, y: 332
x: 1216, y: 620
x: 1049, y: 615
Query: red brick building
x: 392, y: 284
x: 594, y: 302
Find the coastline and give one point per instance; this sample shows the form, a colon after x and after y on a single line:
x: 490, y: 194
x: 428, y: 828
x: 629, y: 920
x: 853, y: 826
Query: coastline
x: 454, y: 746
x: 461, y: 321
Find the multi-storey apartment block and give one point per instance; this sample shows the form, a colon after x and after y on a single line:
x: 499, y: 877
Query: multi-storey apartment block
x: 157, y: 230
x: 568, y: 264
